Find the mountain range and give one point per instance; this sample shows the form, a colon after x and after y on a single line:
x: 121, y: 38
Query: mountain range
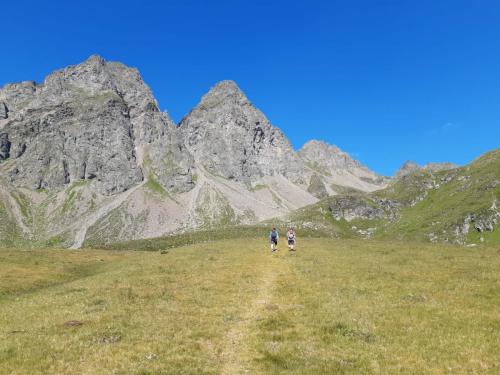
x: 87, y: 157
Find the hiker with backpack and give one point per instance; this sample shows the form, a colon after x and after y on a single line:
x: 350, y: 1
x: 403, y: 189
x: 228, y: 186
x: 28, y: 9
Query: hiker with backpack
x: 273, y: 237
x: 291, y: 237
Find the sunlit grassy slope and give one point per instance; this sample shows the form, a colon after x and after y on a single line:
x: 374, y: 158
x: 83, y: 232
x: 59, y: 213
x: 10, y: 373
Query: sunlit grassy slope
x: 232, y: 307
x: 430, y: 205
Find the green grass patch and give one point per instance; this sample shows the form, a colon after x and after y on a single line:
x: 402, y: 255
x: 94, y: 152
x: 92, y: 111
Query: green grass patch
x: 24, y: 205
x: 258, y: 187
x: 10, y: 233
x: 70, y: 200
x: 153, y: 185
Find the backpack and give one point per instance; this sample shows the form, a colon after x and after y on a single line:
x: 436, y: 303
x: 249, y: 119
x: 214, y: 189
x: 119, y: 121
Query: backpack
x: 274, y: 235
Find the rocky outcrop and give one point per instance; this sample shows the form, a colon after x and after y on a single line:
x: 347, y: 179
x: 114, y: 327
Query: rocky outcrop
x: 351, y: 207
x: 485, y: 221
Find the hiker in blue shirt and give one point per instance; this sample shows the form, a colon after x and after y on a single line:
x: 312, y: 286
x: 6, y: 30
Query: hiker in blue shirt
x: 274, y: 237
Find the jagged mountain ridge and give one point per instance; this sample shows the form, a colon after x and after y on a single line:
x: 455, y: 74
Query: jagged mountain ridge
x: 87, y: 156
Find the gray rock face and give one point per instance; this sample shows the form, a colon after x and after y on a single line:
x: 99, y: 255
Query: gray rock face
x: 87, y: 121
x: 3, y: 111
x: 484, y: 222
x: 481, y: 222
x: 171, y: 163
x: 353, y: 207
x: 4, y: 146
x: 15, y: 96
x: 229, y: 137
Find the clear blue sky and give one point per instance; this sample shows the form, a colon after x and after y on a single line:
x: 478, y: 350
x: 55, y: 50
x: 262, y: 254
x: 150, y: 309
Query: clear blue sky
x: 386, y: 81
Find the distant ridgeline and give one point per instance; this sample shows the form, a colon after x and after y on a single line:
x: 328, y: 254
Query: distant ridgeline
x: 87, y: 158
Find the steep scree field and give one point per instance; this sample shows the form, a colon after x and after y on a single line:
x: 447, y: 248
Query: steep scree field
x: 232, y: 307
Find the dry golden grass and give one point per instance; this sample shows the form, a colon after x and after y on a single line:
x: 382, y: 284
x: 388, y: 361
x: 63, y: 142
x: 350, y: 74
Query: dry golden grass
x: 231, y: 307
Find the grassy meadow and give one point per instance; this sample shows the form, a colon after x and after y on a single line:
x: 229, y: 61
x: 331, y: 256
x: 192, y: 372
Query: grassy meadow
x: 231, y: 307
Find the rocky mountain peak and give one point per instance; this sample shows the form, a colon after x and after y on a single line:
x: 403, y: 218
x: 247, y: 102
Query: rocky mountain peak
x: 321, y: 146
x: 95, y: 59
x: 90, y: 75
x: 224, y: 97
x: 96, y: 120
x: 407, y: 168
x: 226, y: 88
x: 230, y: 137
x: 95, y: 76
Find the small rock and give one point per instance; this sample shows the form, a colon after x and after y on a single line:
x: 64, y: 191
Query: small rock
x: 272, y: 346
x: 73, y: 323
x: 109, y: 339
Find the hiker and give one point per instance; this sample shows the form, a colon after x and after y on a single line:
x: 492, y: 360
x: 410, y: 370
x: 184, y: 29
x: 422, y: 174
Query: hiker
x: 290, y: 235
x: 274, y: 237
